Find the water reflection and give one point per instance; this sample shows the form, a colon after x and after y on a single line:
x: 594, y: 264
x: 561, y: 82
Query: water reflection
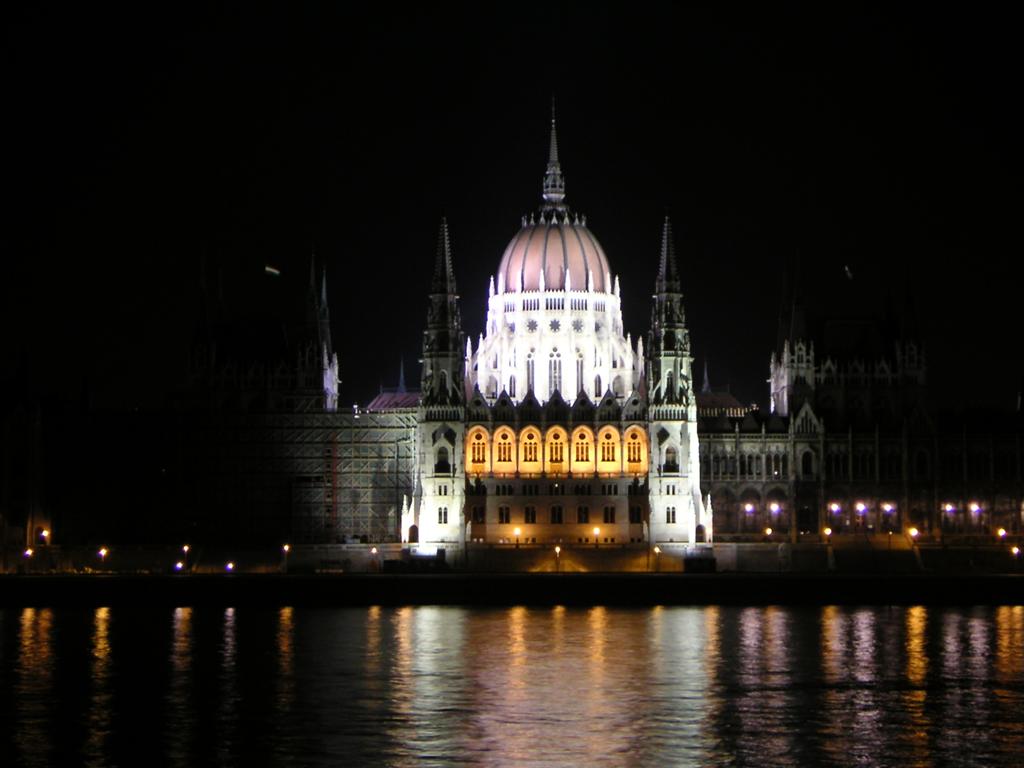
x: 179, y: 699
x: 100, y: 714
x: 518, y: 686
x: 33, y: 687
x: 227, y: 716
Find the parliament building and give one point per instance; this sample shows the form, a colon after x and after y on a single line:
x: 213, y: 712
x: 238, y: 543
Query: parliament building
x: 557, y: 427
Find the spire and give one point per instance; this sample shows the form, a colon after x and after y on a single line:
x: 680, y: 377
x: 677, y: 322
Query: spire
x: 554, y: 182
x: 444, y: 275
x: 401, y: 375
x: 707, y: 379
x: 668, y: 272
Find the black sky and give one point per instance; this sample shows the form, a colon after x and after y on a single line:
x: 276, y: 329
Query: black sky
x: 139, y: 139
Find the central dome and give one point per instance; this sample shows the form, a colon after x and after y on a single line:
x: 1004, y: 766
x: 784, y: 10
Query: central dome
x: 555, y: 253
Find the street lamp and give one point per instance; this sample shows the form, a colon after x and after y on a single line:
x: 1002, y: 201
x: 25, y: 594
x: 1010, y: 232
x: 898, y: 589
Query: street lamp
x: 913, y: 532
x: 179, y: 566
x: 827, y: 532
x: 28, y: 552
x: 558, y: 551
x: 230, y: 565
x: 1001, y: 533
x: 597, y: 532
x: 45, y: 533
x: 516, y: 531
x: 657, y: 559
x: 103, y: 554
x: 768, y: 531
x: 1015, y: 550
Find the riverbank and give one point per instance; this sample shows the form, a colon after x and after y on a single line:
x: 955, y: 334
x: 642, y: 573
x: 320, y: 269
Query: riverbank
x: 513, y: 589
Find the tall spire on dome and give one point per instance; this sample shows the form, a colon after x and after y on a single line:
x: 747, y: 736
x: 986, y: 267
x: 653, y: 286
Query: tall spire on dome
x: 668, y: 272
x: 444, y: 275
x: 554, y: 182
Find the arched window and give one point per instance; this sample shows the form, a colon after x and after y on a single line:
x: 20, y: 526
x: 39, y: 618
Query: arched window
x: 492, y: 387
x: 554, y: 372
x: 530, y: 446
x: 512, y: 386
x: 442, y: 464
x: 633, y: 448
x: 504, y: 447
x: 529, y: 372
x: 478, y: 449
x: 556, y: 451
x: 607, y: 447
x: 597, y: 387
x: 807, y: 465
x: 671, y: 460
x: 579, y: 372
x: 582, y: 451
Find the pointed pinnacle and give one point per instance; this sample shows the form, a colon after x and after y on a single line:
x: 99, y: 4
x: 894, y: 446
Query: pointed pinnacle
x: 668, y: 273
x: 444, y: 275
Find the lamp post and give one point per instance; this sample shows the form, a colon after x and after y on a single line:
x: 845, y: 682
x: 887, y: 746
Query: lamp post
x: 558, y: 552
x: 597, y: 532
x: 103, y: 552
x: 657, y: 559
x: 285, y: 549
x: 516, y: 531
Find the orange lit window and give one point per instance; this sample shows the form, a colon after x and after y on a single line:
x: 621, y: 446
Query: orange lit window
x: 557, y: 452
x: 582, y: 451
x: 479, y: 449
x: 530, y: 448
x: 633, y: 448
x: 504, y: 449
x: 607, y: 449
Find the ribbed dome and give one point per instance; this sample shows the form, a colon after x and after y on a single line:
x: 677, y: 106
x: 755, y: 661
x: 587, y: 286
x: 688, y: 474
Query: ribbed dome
x: 553, y: 246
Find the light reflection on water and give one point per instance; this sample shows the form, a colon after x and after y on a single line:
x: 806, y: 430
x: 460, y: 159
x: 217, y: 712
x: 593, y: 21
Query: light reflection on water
x: 517, y: 686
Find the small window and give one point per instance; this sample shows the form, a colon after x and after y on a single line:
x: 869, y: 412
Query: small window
x: 635, y: 515
x: 442, y: 515
x: 556, y: 514
x: 478, y: 515
x: 582, y: 515
x: 670, y: 514
x: 504, y: 515
x: 530, y: 515
x: 609, y: 515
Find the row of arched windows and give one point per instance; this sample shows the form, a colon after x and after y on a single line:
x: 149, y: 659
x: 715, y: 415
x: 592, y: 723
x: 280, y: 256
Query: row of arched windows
x: 556, y: 451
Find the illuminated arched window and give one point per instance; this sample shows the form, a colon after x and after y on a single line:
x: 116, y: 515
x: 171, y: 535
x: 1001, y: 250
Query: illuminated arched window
x: 478, y: 449
x: 504, y: 447
x: 582, y: 450
x: 607, y: 447
x: 633, y: 448
x: 530, y: 446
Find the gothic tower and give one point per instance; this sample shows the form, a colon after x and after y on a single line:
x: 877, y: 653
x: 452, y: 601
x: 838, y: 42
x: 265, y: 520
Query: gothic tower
x: 676, y: 510
x: 440, y: 474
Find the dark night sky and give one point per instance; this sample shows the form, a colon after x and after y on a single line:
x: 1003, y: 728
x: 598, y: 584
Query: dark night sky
x: 138, y: 139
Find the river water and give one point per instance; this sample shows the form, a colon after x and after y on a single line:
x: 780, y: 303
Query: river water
x: 512, y: 686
